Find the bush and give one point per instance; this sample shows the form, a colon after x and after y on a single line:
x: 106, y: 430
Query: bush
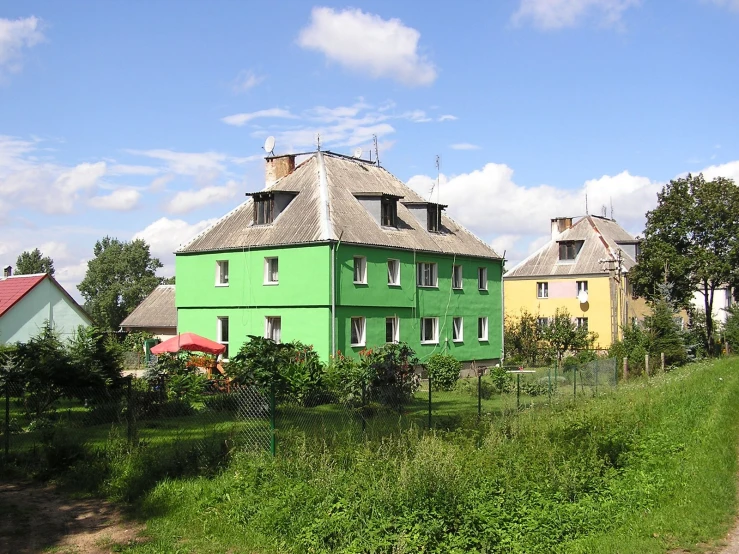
x: 444, y: 371
x: 469, y: 387
x: 391, y: 372
x: 731, y: 328
x: 502, y: 381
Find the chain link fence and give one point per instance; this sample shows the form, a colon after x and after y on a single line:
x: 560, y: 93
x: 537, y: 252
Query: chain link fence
x: 160, y: 412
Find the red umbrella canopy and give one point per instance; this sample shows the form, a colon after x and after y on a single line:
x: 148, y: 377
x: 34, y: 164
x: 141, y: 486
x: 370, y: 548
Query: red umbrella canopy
x: 191, y: 342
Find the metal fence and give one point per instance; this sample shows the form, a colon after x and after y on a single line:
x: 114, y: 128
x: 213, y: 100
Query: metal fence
x: 157, y: 413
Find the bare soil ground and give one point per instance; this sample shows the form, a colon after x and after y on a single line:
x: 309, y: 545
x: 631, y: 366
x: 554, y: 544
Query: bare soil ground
x: 37, y: 518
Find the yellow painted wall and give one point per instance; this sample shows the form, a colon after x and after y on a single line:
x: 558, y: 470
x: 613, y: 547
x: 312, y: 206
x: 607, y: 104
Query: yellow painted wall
x: 521, y: 294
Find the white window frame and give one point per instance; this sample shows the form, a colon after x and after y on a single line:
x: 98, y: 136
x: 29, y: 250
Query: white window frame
x: 457, y: 284
x: 482, y: 336
x: 396, y: 329
x: 542, y: 289
x: 434, y: 274
x: 362, y: 260
x: 482, y: 278
x: 579, y: 321
x: 269, y: 327
x: 219, y: 333
x: 435, y: 338
x: 393, y: 280
x: 457, y: 329
x: 362, y: 335
x: 581, y: 286
x: 221, y: 275
x: 542, y: 322
x: 268, y: 270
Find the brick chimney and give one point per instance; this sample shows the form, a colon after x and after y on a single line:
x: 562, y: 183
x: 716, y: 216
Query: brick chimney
x: 560, y: 225
x: 7, y: 271
x: 278, y: 167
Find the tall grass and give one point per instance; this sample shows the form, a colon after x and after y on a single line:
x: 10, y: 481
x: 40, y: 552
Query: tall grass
x: 647, y: 468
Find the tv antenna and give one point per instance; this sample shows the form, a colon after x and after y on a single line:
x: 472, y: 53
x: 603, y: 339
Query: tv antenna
x: 377, y: 152
x: 357, y: 152
x: 269, y: 145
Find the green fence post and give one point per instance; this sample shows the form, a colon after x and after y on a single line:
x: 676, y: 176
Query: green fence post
x: 479, y: 394
x: 549, y: 374
x: 596, y: 377
x: 272, y: 439
x: 129, y: 411
x: 363, y: 412
x: 518, y: 391
x: 556, y: 382
x: 574, y: 383
x: 429, y: 401
x: 7, y: 418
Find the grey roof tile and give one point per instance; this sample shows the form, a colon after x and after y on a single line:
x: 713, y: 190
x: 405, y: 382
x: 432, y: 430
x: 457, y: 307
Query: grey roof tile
x: 156, y: 310
x: 300, y: 222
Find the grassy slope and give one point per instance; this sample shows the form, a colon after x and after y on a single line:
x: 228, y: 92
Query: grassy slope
x: 645, y: 469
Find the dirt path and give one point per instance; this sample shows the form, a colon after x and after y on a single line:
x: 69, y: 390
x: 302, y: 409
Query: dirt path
x: 36, y: 518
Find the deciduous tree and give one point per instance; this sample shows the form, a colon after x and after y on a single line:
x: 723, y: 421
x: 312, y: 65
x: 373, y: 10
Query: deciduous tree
x: 118, y: 278
x: 691, y: 243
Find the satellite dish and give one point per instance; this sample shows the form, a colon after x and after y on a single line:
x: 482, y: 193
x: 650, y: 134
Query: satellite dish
x: 269, y: 145
x: 582, y: 296
x: 357, y: 152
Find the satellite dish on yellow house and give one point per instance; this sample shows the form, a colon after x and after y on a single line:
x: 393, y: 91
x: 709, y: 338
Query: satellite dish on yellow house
x: 582, y: 296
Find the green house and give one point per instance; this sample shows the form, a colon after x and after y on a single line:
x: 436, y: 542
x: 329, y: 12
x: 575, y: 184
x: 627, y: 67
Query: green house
x: 339, y: 254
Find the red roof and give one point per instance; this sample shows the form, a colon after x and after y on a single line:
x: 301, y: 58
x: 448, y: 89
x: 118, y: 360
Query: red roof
x: 14, y: 288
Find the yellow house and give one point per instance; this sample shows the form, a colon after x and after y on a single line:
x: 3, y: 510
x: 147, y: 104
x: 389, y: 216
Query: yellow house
x: 584, y: 269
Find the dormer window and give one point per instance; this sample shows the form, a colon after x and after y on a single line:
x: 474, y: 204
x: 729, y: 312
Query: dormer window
x: 433, y: 219
x: 264, y: 209
x: 389, y: 211
x: 269, y: 205
x: 569, y: 249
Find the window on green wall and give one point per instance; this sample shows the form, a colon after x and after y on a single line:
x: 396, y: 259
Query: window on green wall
x: 393, y: 272
x: 273, y: 328
x: 482, y: 329
x: 457, y: 277
x: 429, y: 330
x: 271, y: 271
x: 482, y: 278
x: 427, y: 275
x: 458, y: 329
x: 360, y: 270
x: 358, y: 331
x: 222, y: 273
x: 392, y: 330
x: 222, y: 333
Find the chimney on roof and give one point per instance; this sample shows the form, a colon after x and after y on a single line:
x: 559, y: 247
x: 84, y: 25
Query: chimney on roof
x: 7, y: 271
x: 560, y: 225
x: 278, y: 167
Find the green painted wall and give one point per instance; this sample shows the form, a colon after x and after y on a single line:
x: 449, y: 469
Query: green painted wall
x: 377, y: 300
x: 303, y: 300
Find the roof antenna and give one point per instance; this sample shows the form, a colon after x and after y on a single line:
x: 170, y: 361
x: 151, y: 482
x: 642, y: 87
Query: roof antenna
x: 377, y: 152
x: 612, y: 208
x: 586, y: 201
x: 318, y: 141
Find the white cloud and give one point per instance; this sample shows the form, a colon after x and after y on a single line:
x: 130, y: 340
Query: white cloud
x: 729, y: 170
x: 240, y: 119
x: 124, y: 169
x: 186, y: 163
x: 15, y: 36
x: 246, y: 80
x: 165, y: 235
x: 161, y: 182
x: 464, y: 146
x: 448, y: 117
x: 366, y: 43
x: 120, y: 200
x: 188, y: 200
x: 558, y: 14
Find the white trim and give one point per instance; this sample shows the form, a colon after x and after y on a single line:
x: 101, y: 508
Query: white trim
x: 363, y: 331
x: 460, y: 338
x: 483, y: 337
x: 396, y: 329
x: 434, y: 275
x: 362, y: 267
x: 435, y: 338
x: 219, y: 331
x: 268, y: 272
x: 269, y: 327
x: 485, y: 274
x: 219, y: 273
x: 461, y: 277
x: 397, y: 263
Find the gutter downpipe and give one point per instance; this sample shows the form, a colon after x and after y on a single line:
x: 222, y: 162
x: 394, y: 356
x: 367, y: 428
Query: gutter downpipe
x: 333, y: 300
x: 502, y: 309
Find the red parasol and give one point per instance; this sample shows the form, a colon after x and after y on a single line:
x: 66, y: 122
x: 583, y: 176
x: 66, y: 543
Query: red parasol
x: 191, y: 342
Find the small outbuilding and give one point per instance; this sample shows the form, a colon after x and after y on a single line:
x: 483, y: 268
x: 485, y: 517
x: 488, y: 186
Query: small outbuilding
x: 157, y: 314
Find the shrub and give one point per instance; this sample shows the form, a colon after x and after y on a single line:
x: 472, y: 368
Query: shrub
x: 731, y: 328
x: 391, y: 372
x: 502, y: 380
x: 469, y: 386
x: 444, y: 371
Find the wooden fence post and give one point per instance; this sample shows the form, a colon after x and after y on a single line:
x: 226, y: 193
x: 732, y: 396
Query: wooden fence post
x: 646, y: 364
x: 662, y: 356
x: 626, y: 368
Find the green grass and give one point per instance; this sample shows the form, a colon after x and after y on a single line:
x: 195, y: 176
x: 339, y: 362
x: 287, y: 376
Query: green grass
x: 647, y: 468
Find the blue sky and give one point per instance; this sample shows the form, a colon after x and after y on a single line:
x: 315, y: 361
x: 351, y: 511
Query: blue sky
x: 147, y: 118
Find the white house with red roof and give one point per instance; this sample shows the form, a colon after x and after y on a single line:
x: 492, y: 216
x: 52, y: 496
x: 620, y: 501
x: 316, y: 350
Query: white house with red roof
x: 27, y: 302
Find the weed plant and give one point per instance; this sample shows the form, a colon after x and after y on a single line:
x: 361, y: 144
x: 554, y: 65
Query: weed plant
x: 644, y: 469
